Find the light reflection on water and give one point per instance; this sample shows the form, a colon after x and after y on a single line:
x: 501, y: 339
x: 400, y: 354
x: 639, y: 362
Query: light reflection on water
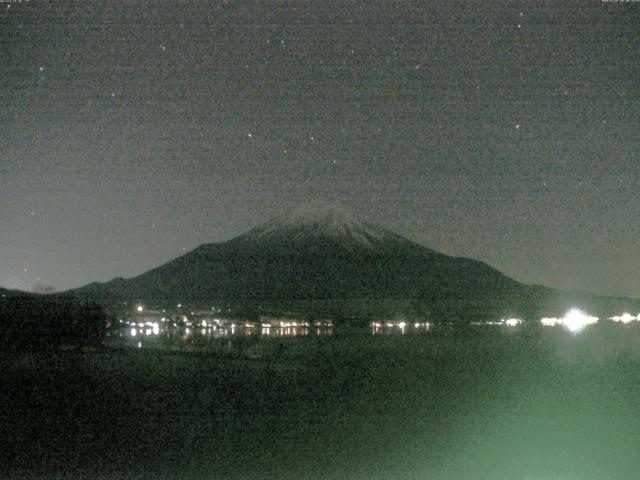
x: 401, y: 327
x: 241, y: 335
x: 222, y: 337
x: 211, y: 335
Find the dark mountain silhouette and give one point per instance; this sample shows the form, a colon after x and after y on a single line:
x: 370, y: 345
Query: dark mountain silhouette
x: 6, y: 293
x: 322, y: 260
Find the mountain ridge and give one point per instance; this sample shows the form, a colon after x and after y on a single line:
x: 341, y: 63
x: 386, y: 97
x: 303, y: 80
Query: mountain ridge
x: 325, y: 260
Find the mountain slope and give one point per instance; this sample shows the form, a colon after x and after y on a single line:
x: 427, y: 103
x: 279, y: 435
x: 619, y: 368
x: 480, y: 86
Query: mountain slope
x: 315, y: 254
x: 323, y: 260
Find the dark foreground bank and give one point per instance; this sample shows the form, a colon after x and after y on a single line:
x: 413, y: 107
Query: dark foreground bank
x: 474, y: 405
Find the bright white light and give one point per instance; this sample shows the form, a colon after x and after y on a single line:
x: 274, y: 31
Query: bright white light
x: 139, y: 308
x: 575, y: 320
x: 133, y: 332
x: 512, y: 322
x: 156, y: 329
x: 402, y: 325
x: 204, y: 323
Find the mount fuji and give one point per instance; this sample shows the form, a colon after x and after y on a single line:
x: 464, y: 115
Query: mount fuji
x: 322, y: 260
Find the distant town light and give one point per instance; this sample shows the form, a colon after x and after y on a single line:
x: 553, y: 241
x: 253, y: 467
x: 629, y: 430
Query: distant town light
x: 133, y: 332
x: 624, y: 318
x: 551, y: 321
x: 512, y: 322
x: 139, y: 308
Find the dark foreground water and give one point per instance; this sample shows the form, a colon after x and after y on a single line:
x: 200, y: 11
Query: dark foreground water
x: 483, y: 404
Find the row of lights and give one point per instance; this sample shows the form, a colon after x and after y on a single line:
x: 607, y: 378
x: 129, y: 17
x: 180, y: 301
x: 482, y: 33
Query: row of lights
x: 625, y: 318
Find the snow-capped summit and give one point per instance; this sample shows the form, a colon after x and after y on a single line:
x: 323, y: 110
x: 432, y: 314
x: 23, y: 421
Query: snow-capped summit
x: 317, y: 225
x: 316, y: 213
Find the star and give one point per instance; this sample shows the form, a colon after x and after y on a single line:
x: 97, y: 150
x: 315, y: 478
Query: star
x: 517, y: 126
x: 41, y: 68
x: 249, y: 135
x: 163, y: 47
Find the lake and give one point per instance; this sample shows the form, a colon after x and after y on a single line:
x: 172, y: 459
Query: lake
x: 481, y: 403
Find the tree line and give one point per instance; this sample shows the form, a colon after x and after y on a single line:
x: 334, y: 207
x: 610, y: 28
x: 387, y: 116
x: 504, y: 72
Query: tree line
x: 45, y: 322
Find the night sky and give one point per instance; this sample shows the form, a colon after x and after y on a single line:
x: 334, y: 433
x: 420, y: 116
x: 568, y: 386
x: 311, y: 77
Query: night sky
x: 131, y: 131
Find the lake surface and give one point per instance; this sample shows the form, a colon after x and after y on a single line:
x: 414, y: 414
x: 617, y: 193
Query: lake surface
x: 485, y: 403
